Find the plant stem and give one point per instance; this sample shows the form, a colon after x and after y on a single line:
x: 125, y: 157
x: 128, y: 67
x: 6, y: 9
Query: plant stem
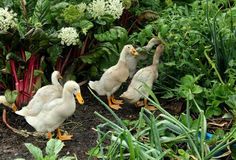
x: 66, y: 60
x: 213, y: 65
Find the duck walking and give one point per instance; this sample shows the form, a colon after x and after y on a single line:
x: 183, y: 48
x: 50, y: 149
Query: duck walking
x: 147, y: 75
x: 113, y: 77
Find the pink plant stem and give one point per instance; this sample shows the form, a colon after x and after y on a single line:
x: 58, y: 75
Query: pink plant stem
x: 84, y: 46
x: 66, y: 60
x: 23, y: 54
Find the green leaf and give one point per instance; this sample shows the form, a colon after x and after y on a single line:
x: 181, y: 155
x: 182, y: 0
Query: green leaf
x: 168, y: 95
x: 213, y: 111
x: 41, y: 15
x: 115, y: 33
x: 11, y: 96
x: 27, y: 55
x: 197, y: 89
x: 85, y: 25
x: 54, y: 146
x: 231, y: 102
x: 38, y: 73
x: 68, y: 158
x: 54, y: 52
x: 94, y: 151
x: 35, y: 151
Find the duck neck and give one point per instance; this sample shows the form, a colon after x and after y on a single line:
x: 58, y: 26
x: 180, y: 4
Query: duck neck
x: 67, y: 96
x: 156, y: 58
x: 122, y: 57
x: 55, y: 81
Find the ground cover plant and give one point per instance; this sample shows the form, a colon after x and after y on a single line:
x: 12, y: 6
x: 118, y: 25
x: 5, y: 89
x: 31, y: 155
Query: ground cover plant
x: 81, y: 40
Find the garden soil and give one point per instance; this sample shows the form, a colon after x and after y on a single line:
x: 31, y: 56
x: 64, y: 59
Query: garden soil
x: 81, y: 125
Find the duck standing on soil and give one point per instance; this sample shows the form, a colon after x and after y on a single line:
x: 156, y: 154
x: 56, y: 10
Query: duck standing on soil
x: 43, y: 95
x: 113, y: 77
x: 54, y: 113
x: 132, y: 62
x: 147, y: 75
x: 3, y: 101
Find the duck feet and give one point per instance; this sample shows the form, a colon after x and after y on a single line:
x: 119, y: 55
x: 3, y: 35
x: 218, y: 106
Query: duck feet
x: 113, y: 106
x: 150, y: 108
x: 64, y: 137
x: 115, y: 101
x: 139, y: 104
x: 49, y: 135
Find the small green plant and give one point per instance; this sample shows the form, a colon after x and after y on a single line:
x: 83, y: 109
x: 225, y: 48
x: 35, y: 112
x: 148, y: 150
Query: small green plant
x: 52, y: 150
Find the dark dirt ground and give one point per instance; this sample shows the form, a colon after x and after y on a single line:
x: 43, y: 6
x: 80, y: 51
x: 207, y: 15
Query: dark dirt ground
x: 80, y: 125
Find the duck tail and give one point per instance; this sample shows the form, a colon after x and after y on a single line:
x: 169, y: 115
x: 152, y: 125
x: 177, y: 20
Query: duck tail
x: 22, y: 112
x: 92, y: 84
x: 127, y: 96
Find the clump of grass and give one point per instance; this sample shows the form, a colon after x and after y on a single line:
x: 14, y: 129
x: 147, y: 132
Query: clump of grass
x: 155, y: 137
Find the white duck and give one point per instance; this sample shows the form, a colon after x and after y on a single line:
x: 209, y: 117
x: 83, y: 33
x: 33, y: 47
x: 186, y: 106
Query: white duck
x: 3, y: 101
x: 113, y: 77
x: 43, y: 95
x: 132, y: 62
x: 54, y: 113
x: 146, y: 75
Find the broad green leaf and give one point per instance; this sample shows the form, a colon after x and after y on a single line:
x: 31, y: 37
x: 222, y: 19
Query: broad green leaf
x: 213, y: 111
x: 54, y: 146
x: 11, y: 96
x: 197, y: 89
x: 115, y: 33
x: 35, y: 151
x: 85, y: 25
x: 41, y: 15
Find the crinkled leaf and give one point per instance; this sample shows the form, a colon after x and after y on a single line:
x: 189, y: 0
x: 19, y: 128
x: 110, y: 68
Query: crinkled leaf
x: 11, y: 96
x: 41, y: 15
x: 35, y: 151
x: 113, y: 34
x: 85, y: 26
x: 54, y: 146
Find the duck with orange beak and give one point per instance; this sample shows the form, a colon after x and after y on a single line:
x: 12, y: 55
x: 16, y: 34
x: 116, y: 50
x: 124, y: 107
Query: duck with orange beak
x: 113, y: 77
x: 54, y: 113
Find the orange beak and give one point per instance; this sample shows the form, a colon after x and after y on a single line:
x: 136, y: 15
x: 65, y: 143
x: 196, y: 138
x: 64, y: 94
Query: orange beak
x: 134, y: 52
x: 79, y: 98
